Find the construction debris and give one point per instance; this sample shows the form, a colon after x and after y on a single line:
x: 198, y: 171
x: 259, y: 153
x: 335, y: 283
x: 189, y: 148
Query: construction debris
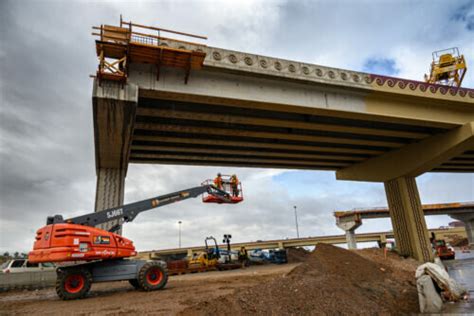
x: 450, y: 290
x: 430, y: 301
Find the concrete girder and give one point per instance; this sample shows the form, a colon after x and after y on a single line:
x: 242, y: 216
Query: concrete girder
x: 309, y: 110
x: 413, y: 159
x: 428, y: 209
x: 244, y: 144
x: 246, y: 90
x: 265, y: 160
x: 242, y: 164
x: 244, y: 152
x: 258, y: 134
x: 454, y: 169
x: 255, y: 121
x: 461, y: 162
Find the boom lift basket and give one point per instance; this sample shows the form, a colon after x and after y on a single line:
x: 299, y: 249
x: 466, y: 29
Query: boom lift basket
x: 448, y: 68
x: 232, y: 198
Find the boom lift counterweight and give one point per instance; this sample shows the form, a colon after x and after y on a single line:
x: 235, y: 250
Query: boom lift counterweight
x: 76, y: 239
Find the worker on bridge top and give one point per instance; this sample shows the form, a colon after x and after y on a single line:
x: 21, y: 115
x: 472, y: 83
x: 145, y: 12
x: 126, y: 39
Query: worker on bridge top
x: 234, y: 184
x: 218, y: 181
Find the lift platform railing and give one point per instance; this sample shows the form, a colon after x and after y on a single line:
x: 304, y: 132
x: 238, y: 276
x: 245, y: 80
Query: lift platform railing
x: 235, y: 193
x: 447, y: 68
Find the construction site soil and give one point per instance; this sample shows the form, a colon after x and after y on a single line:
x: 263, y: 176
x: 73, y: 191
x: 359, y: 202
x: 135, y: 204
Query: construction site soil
x: 330, y: 280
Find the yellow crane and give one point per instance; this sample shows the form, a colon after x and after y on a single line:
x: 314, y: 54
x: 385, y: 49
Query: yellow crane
x: 447, y: 68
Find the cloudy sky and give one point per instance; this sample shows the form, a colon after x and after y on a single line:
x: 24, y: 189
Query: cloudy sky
x: 46, y: 135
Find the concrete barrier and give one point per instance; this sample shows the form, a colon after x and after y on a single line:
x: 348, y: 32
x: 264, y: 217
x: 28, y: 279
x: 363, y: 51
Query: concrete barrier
x: 27, y: 280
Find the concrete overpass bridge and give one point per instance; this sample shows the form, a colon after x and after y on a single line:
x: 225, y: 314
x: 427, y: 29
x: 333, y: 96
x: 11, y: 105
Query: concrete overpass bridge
x: 349, y: 221
x: 380, y: 237
x: 164, y: 101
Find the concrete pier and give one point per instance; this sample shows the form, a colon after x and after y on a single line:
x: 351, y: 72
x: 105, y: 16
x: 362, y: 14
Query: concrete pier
x: 349, y: 225
x: 114, y: 108
x: 468, y: 220
x: 408, y: 220
x: 109, y: 192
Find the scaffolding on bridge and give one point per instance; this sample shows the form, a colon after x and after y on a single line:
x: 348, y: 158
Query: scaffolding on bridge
x: 118, y: 46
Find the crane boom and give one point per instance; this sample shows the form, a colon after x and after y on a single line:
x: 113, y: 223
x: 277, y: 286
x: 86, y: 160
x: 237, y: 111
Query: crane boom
x: 128, y: 212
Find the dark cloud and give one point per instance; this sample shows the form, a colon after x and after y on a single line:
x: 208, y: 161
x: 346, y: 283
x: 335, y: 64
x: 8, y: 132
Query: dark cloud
x: 46, y: 136
x: 465, y: 15
x: 381, y: 66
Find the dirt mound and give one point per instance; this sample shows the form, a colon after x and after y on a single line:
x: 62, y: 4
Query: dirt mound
x: 296, y: 255
x: 460, y: 242
x: 331, y: 280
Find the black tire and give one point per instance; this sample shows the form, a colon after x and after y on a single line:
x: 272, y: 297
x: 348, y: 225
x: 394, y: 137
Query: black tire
x: 134, y: 283
x: 74, y: 283
x: 152, y: 276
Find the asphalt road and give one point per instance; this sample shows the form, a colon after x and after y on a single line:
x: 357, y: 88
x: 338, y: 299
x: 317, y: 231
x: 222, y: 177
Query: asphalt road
x: 462, y: 270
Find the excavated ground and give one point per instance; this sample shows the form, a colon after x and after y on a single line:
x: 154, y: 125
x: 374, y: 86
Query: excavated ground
x: 330, y: 280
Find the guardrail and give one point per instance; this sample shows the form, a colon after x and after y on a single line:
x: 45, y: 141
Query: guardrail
x: 27, y: 280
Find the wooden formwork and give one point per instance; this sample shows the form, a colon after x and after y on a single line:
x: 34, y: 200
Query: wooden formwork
x: 118, y: 46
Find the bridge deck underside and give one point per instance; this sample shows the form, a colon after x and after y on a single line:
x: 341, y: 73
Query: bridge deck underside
x: 174, y: 132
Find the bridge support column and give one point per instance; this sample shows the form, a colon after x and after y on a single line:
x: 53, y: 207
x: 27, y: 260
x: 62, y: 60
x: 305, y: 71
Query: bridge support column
x: 114, y: 108
x: 109, y: 192
x: 468, y: 220
x: 408, y: 221
x: 349, y: 225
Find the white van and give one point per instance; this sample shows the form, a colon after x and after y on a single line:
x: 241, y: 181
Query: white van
x: 22, y: 265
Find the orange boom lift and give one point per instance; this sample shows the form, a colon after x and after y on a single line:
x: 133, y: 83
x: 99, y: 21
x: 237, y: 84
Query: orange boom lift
x: 102, y: 254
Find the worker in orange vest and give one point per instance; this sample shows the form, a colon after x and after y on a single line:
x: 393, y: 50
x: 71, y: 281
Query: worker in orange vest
x: 234, y: 184
x: 218, y: 181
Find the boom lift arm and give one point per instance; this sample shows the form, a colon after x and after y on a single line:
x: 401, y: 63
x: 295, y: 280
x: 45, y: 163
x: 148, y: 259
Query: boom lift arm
x: 128, y: 212
x: 100, y: 253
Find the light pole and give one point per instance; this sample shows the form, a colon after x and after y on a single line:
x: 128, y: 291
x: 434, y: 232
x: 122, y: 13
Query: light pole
x: 179, y: 223
x: 296, y: 223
